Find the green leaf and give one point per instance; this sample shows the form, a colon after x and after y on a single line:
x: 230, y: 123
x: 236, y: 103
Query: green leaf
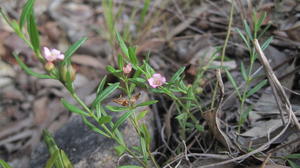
x: 117, y: 108
x: 147, y: 103
x: 176, y: 76
x: 266, y: 43
x: 137, y: 80
x: 104, y: 120
x: 256, y: 88
x: 243, y: 71
x: 111, y: 69
x: 132, y: 55
x: 130, y: 166
x: 248, y: 30
x: 146, y: 134
x: 4, y: 164
x: 199, y: 127
x: 144, y: 11
x: 120, y: 150
x: 33, y: 33
x: 142, y: 114
x: 244, y: 38
x: 72, y: 49
x: 66, y: 161
x: 27, y: 10
x: 260, y: 21
x: 233, y: 83
x: 181, y: 116
x: 101, y: 85
x: 52, y: 160
x: 244, y: 115
x: 263, y: 31
x: 292, y: 164
x: 190, y: 96
x: 293, y: 156
x: 143, y: 145
x: 93, y: 127
x: 73, y: 108
x: 149, y: 70
x: 122, y: 44
x: 122, y: 119
x: 120, y: 61
x: 105, y: 93
x: 29, y: 71
x: 62, y: 160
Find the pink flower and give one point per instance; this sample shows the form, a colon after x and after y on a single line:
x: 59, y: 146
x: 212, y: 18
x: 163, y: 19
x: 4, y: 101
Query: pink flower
x: 53, y: 54
x: 156, y: 80
x: 127, y: 69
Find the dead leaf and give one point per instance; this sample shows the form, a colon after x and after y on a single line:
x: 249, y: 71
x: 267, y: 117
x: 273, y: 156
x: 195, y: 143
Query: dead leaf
x: 263, y: 128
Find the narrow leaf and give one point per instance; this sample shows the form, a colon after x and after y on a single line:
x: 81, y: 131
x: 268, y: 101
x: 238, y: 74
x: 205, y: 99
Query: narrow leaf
x: 105, y: 93
x: 248, y: 30
x: 33, y: 33
x: 132, y: 55
x: 176, y: 76
x: 292, y: 164
x: 29, y: 71
x: 101, y: 85
x: 104, y: 120
x: 74, y: 48
x: 122, y: 119
x: 266, y: 43
x: 73, y: 108
x: 117, y: 108
x: 257, y: 88
x: 293, y: 156
x: 122, y: 44
x: 93, y: 127
x: 120, y: 61
x: 244, y: 115
x: 27, y: 9
x: 243, y: 71
x: 233, y: 83
x: 4, y: 164
x: 119, y: 150
x: 147, y: 103
x: 52, y: 160
x: 141, y: 115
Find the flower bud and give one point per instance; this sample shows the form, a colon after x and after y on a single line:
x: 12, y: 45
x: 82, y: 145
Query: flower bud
x: 49, y: 66
x: 67, y: 71
x: 127, y: 69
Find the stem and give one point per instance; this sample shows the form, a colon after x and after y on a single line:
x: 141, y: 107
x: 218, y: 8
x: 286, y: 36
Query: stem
x: 153, y: 160
x: 84, y: 106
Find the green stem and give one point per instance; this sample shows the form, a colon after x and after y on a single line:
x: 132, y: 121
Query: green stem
x: 84, y: 106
